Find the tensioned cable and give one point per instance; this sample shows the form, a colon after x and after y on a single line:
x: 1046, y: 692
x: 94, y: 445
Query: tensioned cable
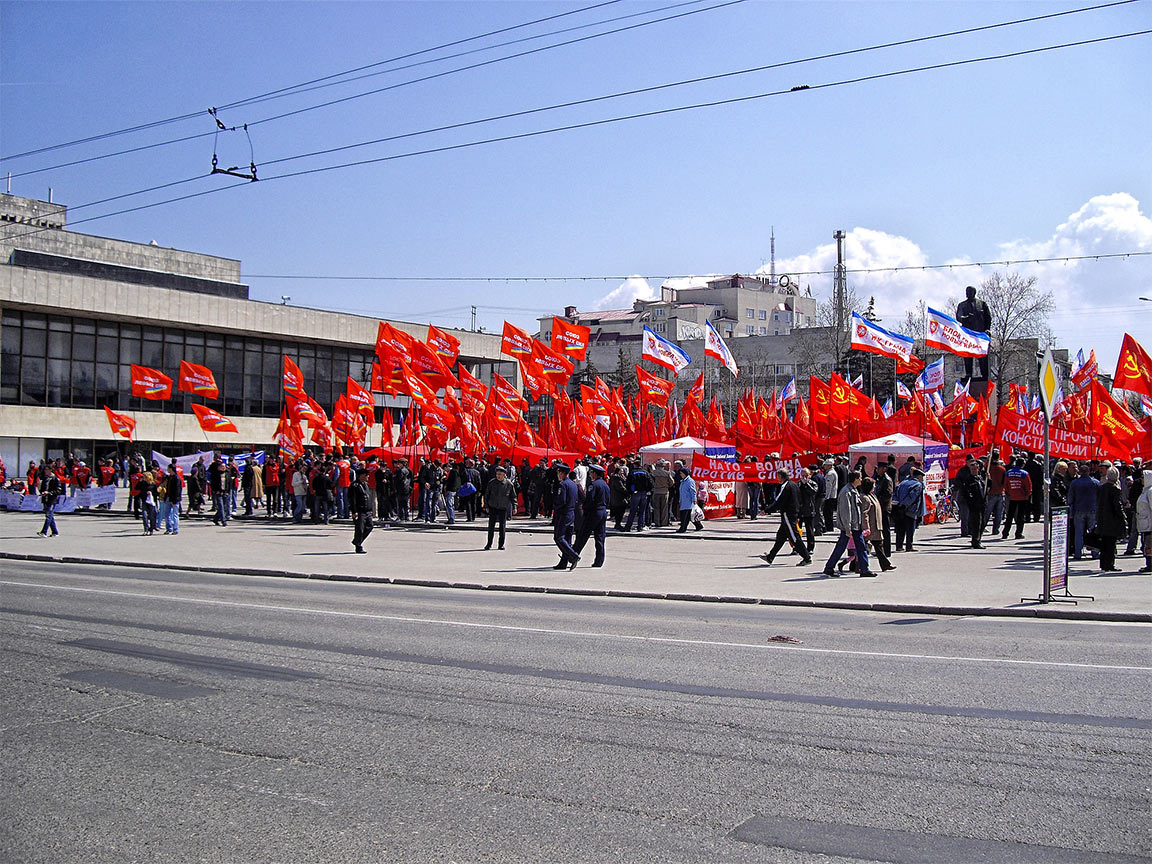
x: 790, y: 273
x: 655, y: 88
x: 611, y: 120
x: 420, y: 80
x: 286, y: 90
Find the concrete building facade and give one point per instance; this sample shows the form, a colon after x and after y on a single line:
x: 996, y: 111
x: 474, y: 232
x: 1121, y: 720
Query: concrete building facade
x: 77, y: 310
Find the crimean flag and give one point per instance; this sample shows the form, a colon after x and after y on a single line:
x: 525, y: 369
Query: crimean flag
x: 1133, y: 368
x: 664, y: 353
x: 197, y: 379
x: 121, y: 425
x: 516, y: 342
x: 948, y: 334
x: 569, y: 339
x: 446, y: 346
x: 150, y: 383
x: 714, y: 347
x: 868, y: 336
x: 293, y: 379
x: 212, y: 421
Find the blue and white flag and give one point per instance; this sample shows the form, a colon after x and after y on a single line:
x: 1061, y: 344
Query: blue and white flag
x: 789, y: 392
x: 714, y: 347
x: 902, y: 391
x: 931, y: 377
x: 887, y: 406
x: 958, y: 391
x: 667, y: 354
x: 867, y: 336
x: 948, y: 334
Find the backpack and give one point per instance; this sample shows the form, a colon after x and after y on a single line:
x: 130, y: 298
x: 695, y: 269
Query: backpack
x: 909, y: 496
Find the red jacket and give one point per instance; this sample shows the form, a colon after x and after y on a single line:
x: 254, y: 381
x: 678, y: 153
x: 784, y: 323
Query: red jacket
x: 1018, y: 484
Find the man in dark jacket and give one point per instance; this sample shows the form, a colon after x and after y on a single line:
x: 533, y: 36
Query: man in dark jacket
x: 595, y: 521
x: 787, y: 504
x: 498, y: 497
x: 564, y: 516
x: 639, y: 487
x: 1035, y: 469
x: 361, y: 509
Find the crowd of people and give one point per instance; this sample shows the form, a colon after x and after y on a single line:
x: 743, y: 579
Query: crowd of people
x: 873, y: 513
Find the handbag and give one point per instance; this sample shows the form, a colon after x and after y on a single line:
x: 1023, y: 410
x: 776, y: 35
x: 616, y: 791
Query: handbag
x: 466, y: 490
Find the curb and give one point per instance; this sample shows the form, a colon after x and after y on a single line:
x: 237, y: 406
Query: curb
x: 1036, y: 611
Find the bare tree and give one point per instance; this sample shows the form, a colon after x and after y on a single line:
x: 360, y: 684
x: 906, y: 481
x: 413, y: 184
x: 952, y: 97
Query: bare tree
x: 1020, y: 311
x: 914, y: 320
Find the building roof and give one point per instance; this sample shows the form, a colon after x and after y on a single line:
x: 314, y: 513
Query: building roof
x: 606, y: 315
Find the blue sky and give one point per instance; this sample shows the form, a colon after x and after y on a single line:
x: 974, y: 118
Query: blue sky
x: 1041, y: 155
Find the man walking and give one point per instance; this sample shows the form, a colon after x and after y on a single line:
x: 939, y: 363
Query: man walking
x: 787, y: 504
x: 849, y: 519
x: 218, y: 484
x: 564, y: 519
x: 498, y: 495
x: 361, y: 507
x: 595, y: 521
x: 832, y: 491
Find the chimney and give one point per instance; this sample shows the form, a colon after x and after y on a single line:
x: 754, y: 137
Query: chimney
x: 569, y: 311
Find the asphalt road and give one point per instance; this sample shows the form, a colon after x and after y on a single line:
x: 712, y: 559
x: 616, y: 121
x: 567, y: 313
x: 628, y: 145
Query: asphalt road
x: 163, y: 716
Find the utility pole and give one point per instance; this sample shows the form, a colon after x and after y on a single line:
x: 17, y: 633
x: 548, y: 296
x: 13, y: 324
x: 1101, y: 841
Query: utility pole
x: 473, y: 319
x: 839, y: 292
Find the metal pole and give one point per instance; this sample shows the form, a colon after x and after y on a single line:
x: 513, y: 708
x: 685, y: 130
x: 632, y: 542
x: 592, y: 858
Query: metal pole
x: 1047, y: 592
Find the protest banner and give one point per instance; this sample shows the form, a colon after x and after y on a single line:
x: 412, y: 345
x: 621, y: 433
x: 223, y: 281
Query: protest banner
x: 1021, y: 432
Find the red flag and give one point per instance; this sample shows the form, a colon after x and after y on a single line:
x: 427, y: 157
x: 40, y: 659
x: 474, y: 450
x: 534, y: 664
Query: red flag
x: 914, y: 364
x: 363, y: 401
x: 197, y: 379
x: 446, y: 346
x: 293, y: 379
x: 696, y: 392
x: 801, y: 419
x: 516, y: 342
x: 536, y: 383
x: 150, y: 383
x: 120, y: 423
x: 427, y: 364
x: 317, y: 410
x: 1133, y: 368
x: 502, y: 386
x: 1119, y: 431
x: 571, y: 340
x: 471, y: 385
x: 556, y: 367
x: 212, y: 421
x: 392, y: 343
x: 653, y: 388
x: 415, y: 387
x: 301, y: 411
x: 1087, y: 372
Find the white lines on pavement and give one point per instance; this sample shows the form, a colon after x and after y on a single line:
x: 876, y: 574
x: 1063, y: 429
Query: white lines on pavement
x: 667, y: 640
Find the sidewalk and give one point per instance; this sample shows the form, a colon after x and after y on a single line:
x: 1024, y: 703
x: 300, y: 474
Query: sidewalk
x: 720, y: 563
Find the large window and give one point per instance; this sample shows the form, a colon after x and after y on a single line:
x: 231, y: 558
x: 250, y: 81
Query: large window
x: 65, y: 362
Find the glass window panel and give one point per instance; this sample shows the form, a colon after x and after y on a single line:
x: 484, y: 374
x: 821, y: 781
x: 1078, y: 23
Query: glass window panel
x: 308, y: 370
x: 10, y: 340
x: 152, y: 354
x: 214, y: 360
x: 214, y: 340
x: 83, y: 348
x: 60, y: 325
x: 252, y: 363
x: 32, y: 380
x: 35, y: 343
x: 324, y: 370
x: 33, y: 320
x: 131, y: 331
x: 59, y: 345
x: 306, y: 350
x: 10, y: 378
x: 83, y: 385
x: 106, y: 391
x: 107, y: 328
x: 153, y: 334
x: 174, y: 336
x: 194, y: 354
x: 83, y: 325
x: 173, y: 354
x: 193, y: 337
x: 234, y: 345
x: 10, y: 317
x: 59, y: 376
x: 107, y: 349
x: 129, y: 351
x: 271, y: 347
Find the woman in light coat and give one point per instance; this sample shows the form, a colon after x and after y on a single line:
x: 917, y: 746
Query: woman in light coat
x: 1144, y: 521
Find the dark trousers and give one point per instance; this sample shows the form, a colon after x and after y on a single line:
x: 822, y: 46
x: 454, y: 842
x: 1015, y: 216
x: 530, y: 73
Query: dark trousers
x: 562, y: 535
x: 685, y: 518
x: 905, y: 528
x: 1017, y: 510
x: 886, y: 527
x: 1107, y: 553
x: 637, y: 511
x: 829, y: 514
x: 470, y: 506
x: 842, y: 545
x: 788, y: 533
x: 272, y: 501
x: 976, y: 519
x: 881, y: 555
x: 809, y: 532
x: 596, y: 527
x: 497, y: 516
x: 618, y: 513
x: 363, y: 527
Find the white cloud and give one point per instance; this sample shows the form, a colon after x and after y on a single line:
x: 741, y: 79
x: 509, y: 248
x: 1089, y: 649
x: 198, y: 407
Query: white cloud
x: 632, y: 288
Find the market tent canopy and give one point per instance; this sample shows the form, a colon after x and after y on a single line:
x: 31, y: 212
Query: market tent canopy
x: 897, y: 444
x: 683, y: 448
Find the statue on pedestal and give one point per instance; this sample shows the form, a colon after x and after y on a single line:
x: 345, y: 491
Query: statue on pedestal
x: 975, y: 315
